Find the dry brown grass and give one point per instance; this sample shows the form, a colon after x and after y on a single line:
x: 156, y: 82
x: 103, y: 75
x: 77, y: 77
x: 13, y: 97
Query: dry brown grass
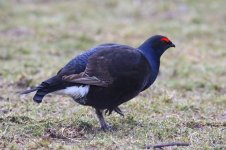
x: 187, y: 103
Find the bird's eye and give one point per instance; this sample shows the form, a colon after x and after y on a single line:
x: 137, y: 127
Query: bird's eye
x: 164, y: 39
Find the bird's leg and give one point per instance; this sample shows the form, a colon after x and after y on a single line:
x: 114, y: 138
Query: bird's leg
x: 108, y: 111
x: 100, y: 117
x: 118, y: 110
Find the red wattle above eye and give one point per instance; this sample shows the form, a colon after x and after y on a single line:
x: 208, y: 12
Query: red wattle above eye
x: 165, y: 39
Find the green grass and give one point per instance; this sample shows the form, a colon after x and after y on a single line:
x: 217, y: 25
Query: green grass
x: 187, y: 103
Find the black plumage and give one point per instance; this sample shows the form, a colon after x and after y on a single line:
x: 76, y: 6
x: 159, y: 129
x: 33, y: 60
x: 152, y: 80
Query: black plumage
x: 107, y: 75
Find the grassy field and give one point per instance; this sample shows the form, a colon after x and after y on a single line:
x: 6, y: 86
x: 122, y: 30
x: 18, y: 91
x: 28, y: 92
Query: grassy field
x: 187, y: 103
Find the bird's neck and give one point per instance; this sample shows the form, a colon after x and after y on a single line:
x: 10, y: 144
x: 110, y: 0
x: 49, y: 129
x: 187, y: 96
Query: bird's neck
x: 153, y: 61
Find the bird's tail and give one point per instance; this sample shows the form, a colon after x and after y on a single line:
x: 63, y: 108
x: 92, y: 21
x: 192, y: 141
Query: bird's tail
x: 29, y: 91
x: 38, y: 96
x: 52, y: 84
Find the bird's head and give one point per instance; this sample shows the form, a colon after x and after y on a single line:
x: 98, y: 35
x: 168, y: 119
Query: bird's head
x: 157, y: 44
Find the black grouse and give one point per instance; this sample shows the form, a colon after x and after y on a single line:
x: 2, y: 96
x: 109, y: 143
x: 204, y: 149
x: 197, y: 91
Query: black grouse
x: 107, y: 75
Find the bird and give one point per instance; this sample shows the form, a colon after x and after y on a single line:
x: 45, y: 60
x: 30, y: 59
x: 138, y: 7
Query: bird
x: 107, y: 75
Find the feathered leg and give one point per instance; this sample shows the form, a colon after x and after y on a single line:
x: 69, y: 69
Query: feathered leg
x: 100, y: 117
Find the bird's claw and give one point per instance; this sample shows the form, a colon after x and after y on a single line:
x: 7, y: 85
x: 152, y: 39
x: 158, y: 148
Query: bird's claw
x: 108, y: 112
x: 119, y: 111
x: 106, y: 128
x: 116, y: 109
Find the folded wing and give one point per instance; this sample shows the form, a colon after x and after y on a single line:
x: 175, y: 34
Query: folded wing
x: 106, y: 65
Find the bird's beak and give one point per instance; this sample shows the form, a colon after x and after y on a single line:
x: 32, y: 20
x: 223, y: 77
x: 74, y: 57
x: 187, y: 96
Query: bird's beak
x: 172, y: 45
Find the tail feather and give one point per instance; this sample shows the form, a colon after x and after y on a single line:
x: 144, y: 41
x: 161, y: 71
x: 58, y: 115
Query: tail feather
x: 39, y: 96
x: 29, y: 91
x: 51, y: 85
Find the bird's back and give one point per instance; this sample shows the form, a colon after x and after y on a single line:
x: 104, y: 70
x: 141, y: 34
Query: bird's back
x: 78, y: 63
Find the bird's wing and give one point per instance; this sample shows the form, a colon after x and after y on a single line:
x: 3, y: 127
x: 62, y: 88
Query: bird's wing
x: 78, y: 64
x: 106, y: 65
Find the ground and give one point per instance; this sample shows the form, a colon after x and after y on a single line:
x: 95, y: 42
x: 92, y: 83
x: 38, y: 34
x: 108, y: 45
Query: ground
x: 187, y: 103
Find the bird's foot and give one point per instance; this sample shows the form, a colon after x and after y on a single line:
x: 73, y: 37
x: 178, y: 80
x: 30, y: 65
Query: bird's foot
x: 106, y: 128
x: 108, y: 111
x: 119, y: 111
x: 116, y: 109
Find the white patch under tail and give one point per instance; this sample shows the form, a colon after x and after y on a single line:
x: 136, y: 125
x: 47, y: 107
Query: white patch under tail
x: 75, y: 91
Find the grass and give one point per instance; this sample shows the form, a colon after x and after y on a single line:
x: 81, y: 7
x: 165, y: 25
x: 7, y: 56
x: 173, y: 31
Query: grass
x: 187, y: 103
